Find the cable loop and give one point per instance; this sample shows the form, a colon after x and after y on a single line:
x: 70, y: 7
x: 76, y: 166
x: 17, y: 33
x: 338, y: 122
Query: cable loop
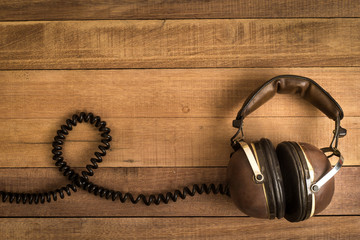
x: 77, y: 181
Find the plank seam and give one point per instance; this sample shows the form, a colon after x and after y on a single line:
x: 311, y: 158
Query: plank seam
x: 176, y: 19
x: 185, y: 68
x: 170, y: 167
x: 126, y: 217
x: 193, y: 117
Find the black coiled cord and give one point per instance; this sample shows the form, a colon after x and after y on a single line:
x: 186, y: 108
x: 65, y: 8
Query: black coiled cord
x: 83, y: 180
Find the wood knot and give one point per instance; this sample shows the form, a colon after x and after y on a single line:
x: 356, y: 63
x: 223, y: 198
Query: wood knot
x: 185, y: 109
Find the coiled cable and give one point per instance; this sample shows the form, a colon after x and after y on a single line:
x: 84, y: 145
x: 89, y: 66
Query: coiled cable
x: 77, y: 181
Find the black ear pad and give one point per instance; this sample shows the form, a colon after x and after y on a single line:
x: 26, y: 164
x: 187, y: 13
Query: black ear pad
x: 273, y: 182
x: 296, y: 176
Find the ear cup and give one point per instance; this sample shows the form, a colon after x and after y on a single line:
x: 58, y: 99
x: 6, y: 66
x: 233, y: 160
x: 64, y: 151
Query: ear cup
x: 264, y: 200
x: 273, y: 179
x: 321, y: 165
x: 246, y: 194
x: 297, y: 181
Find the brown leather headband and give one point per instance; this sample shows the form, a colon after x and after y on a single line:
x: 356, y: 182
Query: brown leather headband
x: 305, y: 87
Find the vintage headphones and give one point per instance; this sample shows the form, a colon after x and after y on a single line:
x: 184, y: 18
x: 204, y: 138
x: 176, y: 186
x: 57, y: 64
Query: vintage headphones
x: 295, y: 180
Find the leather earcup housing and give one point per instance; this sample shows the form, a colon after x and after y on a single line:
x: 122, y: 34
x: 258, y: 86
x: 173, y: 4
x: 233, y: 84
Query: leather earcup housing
x: 321, y: 165
x: 247, y: 195
x: 264, y: 200
x: 297, y: 160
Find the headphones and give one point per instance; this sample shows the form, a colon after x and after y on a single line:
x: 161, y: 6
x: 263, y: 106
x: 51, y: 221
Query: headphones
x: 295, y: 180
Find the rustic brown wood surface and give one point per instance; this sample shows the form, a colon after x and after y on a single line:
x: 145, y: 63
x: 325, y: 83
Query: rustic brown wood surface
x: 180, y: 228
x: 180, y: 43
x: 202, y: 100
x: 158, y: 9
x: 181, y: 93
x: 168, y: 77
x: 181, y: 142
x: 149, y: 181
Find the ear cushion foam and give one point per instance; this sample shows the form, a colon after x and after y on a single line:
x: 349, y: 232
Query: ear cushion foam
x: 307, y: 179
x: 295, y: 174
x: 270, y: 195
x: 276, y: 176
x: 273, y: 179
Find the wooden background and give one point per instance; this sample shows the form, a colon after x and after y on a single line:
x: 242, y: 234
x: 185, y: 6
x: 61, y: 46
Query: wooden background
x: 168, y: 77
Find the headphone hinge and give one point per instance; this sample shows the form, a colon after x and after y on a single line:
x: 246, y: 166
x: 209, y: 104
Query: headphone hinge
x: 342, y: 132
x: 235, y: 140
x: 237, y: 123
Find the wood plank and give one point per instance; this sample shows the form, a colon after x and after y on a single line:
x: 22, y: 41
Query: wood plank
x: 164, y: 92
x: 180, y: 43
x: 140, y: 142
x: 179, y: 228
x: 149, y: 181
x: 153, y: 9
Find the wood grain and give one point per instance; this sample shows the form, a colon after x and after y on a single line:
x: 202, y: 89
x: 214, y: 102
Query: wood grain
x: 346, y: 200
x: 140, y: 142
x: 168, y: 77
x: 181, y: 93
x: 153, y: 107
x: 179, y: 228
x: 154, y: 9
x: 180, y: 43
